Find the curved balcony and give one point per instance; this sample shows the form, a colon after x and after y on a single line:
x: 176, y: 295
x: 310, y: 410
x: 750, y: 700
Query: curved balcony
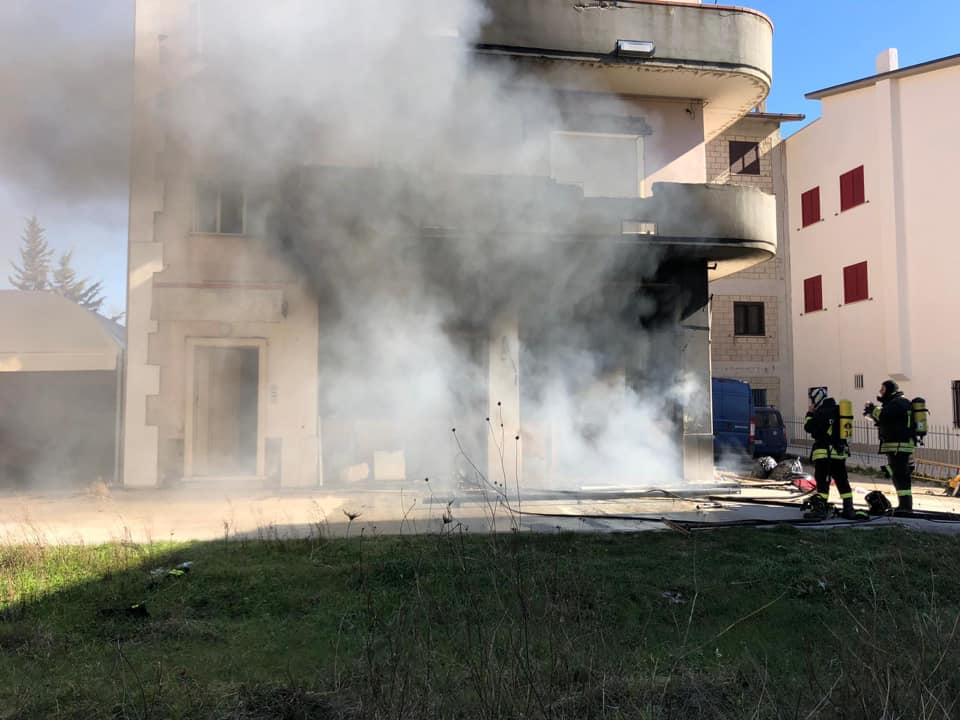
x: 727, y: 227
x: 730, y: 227
x: 720, y: 55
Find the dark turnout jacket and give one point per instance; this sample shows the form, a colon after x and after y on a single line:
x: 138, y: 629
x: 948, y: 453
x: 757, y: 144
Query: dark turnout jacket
x: 894, y: 418
x: 823, y: 424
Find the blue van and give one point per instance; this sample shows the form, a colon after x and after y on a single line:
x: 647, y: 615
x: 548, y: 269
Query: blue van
x: 770, y: 433
x: 732, y: 417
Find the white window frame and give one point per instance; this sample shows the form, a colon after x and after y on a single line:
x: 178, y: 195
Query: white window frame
x: 196, y: 208
x: 641, y: 170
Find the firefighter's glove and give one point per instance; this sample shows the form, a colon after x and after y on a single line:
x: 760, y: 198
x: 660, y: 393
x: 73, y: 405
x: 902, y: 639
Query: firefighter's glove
x: 869, y: 408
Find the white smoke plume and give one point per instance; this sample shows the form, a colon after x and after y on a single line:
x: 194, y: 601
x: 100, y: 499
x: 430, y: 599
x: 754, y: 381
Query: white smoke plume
x: 411, y: 264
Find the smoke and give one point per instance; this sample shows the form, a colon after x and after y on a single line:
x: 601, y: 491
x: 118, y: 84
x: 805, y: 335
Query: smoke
x: 409, y: 184
x: 66, y: 82
x: 65, y: 75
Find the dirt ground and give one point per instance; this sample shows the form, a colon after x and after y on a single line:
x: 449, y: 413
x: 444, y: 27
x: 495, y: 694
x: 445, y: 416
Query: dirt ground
x: 213, y: 512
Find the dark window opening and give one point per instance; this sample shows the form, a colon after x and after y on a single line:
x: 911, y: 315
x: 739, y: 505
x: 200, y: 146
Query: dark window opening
x: 748, y: 318
x: 855, y: 283
x: 810, y: 206
x: 813, y: 294
x: 851, y: 189
x: 744, y: 157
x: 760, y: 400
x: 956, y: 403
x: 858, y: 382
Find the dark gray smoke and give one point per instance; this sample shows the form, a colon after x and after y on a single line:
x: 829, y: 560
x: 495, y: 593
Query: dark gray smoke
x: 410, y: 185
x: 66, y: 80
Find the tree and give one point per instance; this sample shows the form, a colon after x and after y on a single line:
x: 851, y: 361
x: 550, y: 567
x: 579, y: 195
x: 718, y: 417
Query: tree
x: 35, y: 254
x: 65, y: 283
x: 33, y: 272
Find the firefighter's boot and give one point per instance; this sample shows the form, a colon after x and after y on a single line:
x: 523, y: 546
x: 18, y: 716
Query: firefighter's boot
x: 905, y: 506
x: 849, y: 513
x: 819, y: 510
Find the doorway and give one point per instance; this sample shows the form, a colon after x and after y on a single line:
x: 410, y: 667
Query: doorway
x: 224, y: 413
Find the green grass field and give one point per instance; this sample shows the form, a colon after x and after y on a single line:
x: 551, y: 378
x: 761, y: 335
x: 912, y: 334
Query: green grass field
x: 726, y: 624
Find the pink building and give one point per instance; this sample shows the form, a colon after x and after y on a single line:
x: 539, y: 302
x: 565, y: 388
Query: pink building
x: 873, y: 237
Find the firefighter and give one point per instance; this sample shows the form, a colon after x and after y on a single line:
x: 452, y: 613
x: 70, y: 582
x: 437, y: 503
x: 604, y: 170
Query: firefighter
x: 829, y: 456
x: 894, y: 420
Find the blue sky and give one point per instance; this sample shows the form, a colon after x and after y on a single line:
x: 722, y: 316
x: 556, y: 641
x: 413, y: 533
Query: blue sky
x: 817, y: 43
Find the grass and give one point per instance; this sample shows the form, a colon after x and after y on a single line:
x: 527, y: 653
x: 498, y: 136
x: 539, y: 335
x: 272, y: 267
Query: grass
x: 729, y: 624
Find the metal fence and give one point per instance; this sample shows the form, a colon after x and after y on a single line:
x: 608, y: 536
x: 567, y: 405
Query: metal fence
x: 942, y: 443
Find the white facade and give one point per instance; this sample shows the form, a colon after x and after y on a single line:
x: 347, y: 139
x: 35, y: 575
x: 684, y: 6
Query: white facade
x: 900, y: 126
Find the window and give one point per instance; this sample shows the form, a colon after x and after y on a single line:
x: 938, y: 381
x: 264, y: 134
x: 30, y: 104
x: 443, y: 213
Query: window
x: 760, y: 400
x: 810, y: 206
x: 855, y: 283
x: 813, y: 294
x: 220, y: 208
x: 744, y: 157
x: 858, y: 382
x: 956, y: 403
x: 604, y: 164
x: 851, y: 189
x: 748, y: 318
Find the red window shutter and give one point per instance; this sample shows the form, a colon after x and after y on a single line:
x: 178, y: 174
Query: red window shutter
x: 846, y: 192
x: 813, y: 294
x: 851, y: 189
x: 849, y: 284
x: 810, y: 206
x: 858, y: 194
x: 855, y: 286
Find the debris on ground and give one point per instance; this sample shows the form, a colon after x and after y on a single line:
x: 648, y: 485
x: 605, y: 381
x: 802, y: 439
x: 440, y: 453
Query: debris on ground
x: 787, y: 469
x: 673, y: 597
x: 763, y: 467
x: 138, y: 612
x: 178, y: 571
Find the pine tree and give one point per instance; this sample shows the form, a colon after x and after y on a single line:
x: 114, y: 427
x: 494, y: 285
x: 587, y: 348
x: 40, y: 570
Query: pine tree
x: 35, y: 254
x: 65, y: 283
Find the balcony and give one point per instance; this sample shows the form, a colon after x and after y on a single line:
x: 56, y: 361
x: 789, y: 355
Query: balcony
x: 728, y: 227
x: 719, y: 55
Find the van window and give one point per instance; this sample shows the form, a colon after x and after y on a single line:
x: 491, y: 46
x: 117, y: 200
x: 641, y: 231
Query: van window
x: 769, y: 420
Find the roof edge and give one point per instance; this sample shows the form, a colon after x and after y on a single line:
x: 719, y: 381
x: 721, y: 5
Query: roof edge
x: 782, y: 117
x: 699, y: 6
x: 919, y: 68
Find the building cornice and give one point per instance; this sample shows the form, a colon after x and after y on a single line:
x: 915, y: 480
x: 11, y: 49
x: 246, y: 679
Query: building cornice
x: 920, y: 68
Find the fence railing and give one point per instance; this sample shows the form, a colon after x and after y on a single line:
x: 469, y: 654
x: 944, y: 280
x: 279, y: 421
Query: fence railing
x: 941, y: 445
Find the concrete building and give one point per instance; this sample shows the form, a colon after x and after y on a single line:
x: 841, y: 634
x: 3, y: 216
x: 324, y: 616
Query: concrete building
x: 60, y: 384
x: 751, y: 338
x: 229, y: 326
x: 872, y: 250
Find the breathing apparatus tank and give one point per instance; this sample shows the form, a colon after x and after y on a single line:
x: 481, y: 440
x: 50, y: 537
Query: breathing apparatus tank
x: 919, y: 417
x: 846, y: 419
